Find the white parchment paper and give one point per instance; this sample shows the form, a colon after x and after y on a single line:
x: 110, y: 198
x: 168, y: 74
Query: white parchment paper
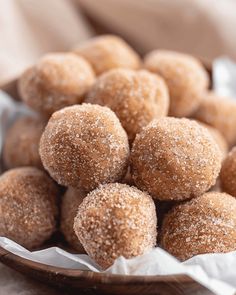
x: 217, y: 272
x: 224, y: 77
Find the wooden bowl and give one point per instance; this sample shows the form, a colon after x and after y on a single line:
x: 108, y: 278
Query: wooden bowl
x: 98, y: 283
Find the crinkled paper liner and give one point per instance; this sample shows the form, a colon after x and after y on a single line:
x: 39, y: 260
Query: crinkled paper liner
x: 217, y: 272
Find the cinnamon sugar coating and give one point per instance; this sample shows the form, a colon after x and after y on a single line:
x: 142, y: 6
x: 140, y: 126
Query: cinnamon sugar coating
x: 206, y: 224
x: 114, y: 220
x: 108, y: 52
x: 218, y: 137
x: 22, y: 143
x: 28, y: 206
x: 218, y: 112
x: 69, y: 207
x: 57, y: 80
x: 84, y: 146
x: 185, y: 77
x: 175, y: 159
x: 137, y: 97
x: 228, y: 173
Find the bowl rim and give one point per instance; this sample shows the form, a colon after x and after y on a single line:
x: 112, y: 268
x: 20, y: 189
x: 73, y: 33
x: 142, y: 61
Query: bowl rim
x: 9, y: 258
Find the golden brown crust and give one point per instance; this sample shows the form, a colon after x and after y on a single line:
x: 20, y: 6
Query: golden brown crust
x: 69, y: 207
x: 56, y: 81
x: 28, y: 206
x: 137, y: 97
x: 175, y: 159
x: 108, y: 52
x: 83, y: 146
x: 116, y: 220
x: 185, y: 77
x: 228, y: 173
x: 22, y: 143
x: 218, y: 112
x: 206, y: 224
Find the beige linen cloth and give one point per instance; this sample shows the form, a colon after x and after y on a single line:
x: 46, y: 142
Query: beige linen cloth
x: 29, y: 28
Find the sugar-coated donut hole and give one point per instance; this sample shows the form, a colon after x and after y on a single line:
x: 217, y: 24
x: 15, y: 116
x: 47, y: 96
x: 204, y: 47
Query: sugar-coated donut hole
x: 83, y: 146
x: 28, y: 202
x: 206, y: 224
x: 185, y: 77
x: 137, y: 97
x: 218, y: 112
x: 175, y: 159
x: 108, y: 52
x: 69, y: 207
x: 22, y: 143
x: 114, y: 220
x: 57, y: 80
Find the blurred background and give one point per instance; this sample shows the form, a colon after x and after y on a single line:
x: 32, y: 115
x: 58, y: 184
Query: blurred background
x: 28, y: 28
